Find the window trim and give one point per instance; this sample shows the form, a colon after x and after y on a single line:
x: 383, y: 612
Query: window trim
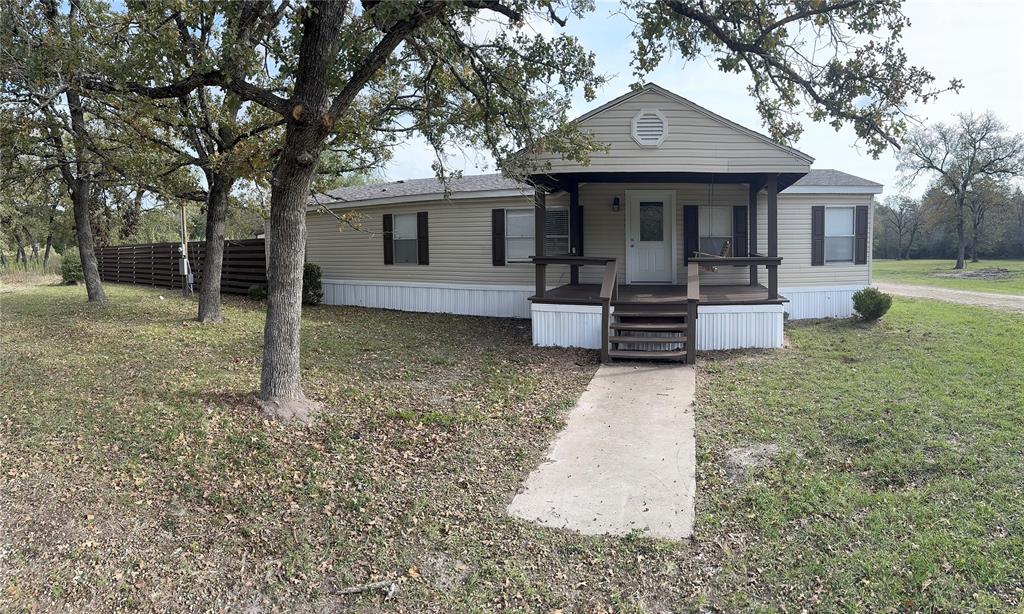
x: 533, y: 233
x: 395, y: 239
x: 852, y: 237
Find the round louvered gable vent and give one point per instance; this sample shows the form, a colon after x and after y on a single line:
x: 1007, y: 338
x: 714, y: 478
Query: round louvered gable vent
x: 649, y: 128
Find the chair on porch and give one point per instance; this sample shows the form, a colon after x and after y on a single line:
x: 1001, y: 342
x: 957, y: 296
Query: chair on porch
x: 724, y: 252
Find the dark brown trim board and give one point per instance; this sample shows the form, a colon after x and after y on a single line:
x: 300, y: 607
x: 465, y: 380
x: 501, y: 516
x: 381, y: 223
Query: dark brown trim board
x: 422, y: 239
x: 860, y: 243
x: 817, y: 236
x: 739, y: 231
x: 498, y: 237
x: 388, y: 230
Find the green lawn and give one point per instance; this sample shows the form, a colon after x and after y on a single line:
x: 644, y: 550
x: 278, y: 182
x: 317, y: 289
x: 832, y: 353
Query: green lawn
x: 135, y: 472
x: 941, y: 273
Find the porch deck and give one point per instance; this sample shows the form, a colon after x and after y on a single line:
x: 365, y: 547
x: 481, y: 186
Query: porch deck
x: 590, y: 294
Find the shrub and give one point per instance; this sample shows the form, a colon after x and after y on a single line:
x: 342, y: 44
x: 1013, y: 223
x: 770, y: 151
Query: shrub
x: 871, y: 303
x: 258, y: 293
x: 312, y: 291
x: 71, y: 267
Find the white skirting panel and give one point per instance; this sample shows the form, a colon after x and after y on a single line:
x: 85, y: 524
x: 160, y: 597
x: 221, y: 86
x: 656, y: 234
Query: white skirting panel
x: 718, y: 327
x: 732, y: 327
x: 463, y: 299
x: 566, y: 325
x: 809, y: 302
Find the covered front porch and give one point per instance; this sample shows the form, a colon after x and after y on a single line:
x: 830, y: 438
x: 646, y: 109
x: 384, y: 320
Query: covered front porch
x: 650, y: 269
x: 590, y: 294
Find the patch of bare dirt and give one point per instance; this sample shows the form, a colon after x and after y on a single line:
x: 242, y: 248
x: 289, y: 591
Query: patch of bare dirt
x: 989, y: 273
x: 739, y: 462
x: 1005, y: 302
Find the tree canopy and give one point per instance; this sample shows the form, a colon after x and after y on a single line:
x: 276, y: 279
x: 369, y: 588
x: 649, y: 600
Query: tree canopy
x: 841, y: 60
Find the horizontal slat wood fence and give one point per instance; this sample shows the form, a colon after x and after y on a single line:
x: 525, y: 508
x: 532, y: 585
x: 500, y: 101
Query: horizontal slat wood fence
x: 157, y: 264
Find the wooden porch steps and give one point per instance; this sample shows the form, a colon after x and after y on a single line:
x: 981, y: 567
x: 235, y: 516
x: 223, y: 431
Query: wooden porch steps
x: 649, y: 324
x: 648, y: 354
x: 655, y: 331
x: 652, y: 339
x: 650, y: 313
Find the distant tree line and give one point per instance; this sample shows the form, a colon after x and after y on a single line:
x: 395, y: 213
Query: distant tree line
x: 973, y: 207
x: 926, y: 227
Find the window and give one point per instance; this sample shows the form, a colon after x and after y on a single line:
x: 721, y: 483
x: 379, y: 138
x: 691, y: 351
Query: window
x: 404, y: 238
x: 652, y: 221
x: 715, y: 224
x: 520, y: 239
x: 839, y: 234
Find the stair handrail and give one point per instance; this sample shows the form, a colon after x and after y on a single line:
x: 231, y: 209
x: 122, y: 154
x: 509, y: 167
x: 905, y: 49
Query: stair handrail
x: 609, y: 291
x: 692, y: 298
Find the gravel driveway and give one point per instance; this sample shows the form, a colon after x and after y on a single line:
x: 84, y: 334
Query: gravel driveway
x: 1005, y: 302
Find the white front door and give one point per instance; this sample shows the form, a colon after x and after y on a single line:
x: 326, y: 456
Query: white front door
x: 650, y: 224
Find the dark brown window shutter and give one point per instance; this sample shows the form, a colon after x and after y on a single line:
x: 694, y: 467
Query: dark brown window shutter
x: 817, y: 236
x: 739, y: 231
x: 388, y: 228
x: 860, y: 242
x: 422, y: 239
x: 691, y: 233
x: 498, y: 237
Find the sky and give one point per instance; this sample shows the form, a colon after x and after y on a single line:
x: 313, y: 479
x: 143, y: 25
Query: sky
x: 980, y: 43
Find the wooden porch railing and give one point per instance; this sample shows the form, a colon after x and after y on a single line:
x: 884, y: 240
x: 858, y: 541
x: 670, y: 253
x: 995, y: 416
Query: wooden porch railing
x: 609, y: 292
x: 574, y: 262
x: 771, y: 263
x: 692, y: 298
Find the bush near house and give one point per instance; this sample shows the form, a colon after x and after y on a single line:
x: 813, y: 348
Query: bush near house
x: 871, y: 303
x: 258, y: 292
x: 71, y: 267
x: 312, y: 291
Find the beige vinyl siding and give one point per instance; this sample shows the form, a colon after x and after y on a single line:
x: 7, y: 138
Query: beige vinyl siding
x: 459, y: 236
x: 460, y: 239
x: 795, y: 241
x: 696, y: 142
x: 604, y: 230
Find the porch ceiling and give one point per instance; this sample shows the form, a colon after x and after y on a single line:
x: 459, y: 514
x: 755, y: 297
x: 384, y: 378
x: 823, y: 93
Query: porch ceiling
x: 563, y: 181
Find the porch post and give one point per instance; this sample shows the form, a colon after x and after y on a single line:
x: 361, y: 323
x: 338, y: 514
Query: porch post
x: 575, y: 230
x: 539, y: 233
x: 773, y: 235
x: 755, y: 189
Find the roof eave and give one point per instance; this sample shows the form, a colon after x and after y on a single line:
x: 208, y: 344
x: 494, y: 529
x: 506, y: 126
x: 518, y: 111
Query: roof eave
x: 419, y: 198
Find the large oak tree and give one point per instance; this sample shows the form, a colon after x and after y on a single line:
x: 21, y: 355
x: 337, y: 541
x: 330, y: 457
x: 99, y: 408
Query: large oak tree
x: 961, y: 156
x: 357, y: 78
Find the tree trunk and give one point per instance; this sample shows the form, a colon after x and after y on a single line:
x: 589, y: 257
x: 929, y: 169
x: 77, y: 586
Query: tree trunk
x: 280, y: 383
x: 960, y: 238
x: 83, y: 236
x: 3, y: 259
x: 19, y: 252
x: 79, y: 186
x: 49, y: 246
x: 308, y: 126
x: 32, y: 244
x: 213, y: 260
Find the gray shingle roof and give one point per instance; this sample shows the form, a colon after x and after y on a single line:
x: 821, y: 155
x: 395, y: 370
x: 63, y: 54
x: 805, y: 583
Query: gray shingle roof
x: 494, y: 181
x: 420, y: 187
x: 819, y: 177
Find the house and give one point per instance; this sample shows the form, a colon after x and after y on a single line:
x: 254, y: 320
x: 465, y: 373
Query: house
x: 688, y: 228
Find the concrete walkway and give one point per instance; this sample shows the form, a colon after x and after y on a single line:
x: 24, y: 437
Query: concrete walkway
x: 625, y: 460
x: 1005, y: 302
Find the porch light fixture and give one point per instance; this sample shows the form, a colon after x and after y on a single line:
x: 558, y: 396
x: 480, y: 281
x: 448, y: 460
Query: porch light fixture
x: 615, y: 204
